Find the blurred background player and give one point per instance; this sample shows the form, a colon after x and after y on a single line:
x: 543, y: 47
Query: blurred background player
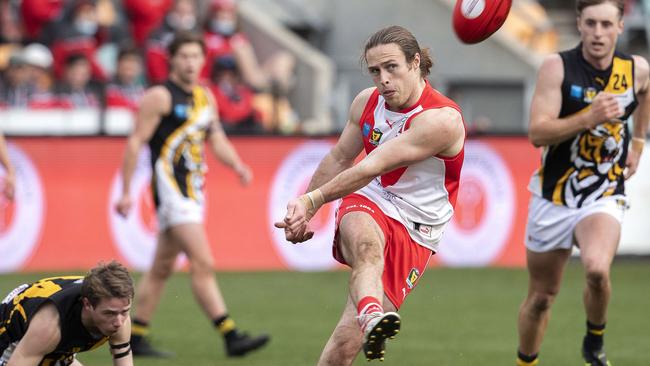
x: 49, y: 321
x: 175, y: 119
x: 396, y: 201
x: 580, y: 110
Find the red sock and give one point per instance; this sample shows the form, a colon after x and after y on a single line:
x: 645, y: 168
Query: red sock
x: 369, y: 305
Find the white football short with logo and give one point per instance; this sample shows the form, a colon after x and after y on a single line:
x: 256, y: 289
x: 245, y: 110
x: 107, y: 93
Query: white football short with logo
x: 551, y: 226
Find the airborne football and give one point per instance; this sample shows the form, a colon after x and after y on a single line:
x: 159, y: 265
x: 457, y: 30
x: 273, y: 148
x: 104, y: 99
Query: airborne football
x: 476, y: 20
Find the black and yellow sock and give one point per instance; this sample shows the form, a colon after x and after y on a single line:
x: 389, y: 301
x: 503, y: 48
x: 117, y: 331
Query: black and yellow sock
x: 139, y: 329
x: 226, y: 326
x: 594, y: 337
x: 526, y: 360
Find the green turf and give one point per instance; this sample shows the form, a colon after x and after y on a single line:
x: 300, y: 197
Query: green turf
x: 455, y: 317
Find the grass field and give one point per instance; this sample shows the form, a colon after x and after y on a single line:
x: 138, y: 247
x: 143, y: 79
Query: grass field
x: 455, y: 317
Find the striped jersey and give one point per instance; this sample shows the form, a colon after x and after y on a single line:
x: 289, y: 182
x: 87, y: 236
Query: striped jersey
x: 19, y: 307
x: 421, y: 196
x: 589, y: 166
x: 177, y: 144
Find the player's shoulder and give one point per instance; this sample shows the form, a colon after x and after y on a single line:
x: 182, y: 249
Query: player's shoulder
x: 157, y: 97
x: 446, y: 115
x: 641, y: 65
x: 359, y: 103
x: 551, y: 70
x: 364, y: 96
x: 552, y: 62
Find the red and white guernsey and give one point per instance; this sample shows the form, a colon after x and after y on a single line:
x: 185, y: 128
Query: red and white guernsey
x: 421, y: 196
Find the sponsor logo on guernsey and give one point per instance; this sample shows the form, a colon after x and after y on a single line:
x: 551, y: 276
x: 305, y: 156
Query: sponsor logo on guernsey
x: 376, y: 136
x: 590, y: 94
x: 576, y: 92
x: 424, y: 229
x: 412, y: 278
x: 366, y: 129
x: 180, y: 110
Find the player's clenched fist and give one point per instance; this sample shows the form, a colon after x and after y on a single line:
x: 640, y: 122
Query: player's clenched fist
x: 604, y: 108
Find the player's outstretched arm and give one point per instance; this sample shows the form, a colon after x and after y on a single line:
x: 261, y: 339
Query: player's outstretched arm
x: 120, y: 347
x: 10, y: 172
x: 341, y: 157
x: 545, y: 126
x: 155, y: 103
x: 641, y: 116
x: 42, y: 336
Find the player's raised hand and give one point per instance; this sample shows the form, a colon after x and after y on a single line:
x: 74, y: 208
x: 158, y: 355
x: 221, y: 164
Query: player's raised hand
x: 604, y: 108
x: 123, y: 206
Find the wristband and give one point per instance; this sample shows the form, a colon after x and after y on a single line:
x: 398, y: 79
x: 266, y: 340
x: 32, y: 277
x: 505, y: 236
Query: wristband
x: 313, y: 200
x: 637, y: 144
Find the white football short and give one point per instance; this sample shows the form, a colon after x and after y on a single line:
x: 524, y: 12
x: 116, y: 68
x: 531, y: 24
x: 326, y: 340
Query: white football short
x: 174, y: 208
x: 551, y: 226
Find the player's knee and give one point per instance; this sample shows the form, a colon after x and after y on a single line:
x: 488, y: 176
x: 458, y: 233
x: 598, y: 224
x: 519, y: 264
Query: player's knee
x: 202, y: 266
x: 542, y: 301
x: 597, y: 278
x: 162, y: 271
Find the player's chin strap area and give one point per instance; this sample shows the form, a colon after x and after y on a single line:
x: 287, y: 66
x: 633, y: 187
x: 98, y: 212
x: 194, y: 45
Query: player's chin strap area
x: 126, y: 346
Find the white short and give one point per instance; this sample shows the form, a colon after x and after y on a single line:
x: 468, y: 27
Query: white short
x: 178, y: 210
x: 174, y: 208
x: 551, y: 226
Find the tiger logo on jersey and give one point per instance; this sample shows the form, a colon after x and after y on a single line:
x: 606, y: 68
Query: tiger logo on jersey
x: 596, y: 155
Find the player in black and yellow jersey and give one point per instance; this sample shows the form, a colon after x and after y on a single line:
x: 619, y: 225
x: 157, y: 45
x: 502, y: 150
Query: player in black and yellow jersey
x: 579, y: 115
x: 176, y: 119
x: 46, y: 323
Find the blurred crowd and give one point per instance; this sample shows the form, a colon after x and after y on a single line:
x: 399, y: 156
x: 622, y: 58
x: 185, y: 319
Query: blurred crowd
x: 104, y: 53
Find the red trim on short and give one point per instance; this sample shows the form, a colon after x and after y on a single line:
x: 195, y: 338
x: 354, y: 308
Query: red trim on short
x: 404, y: 260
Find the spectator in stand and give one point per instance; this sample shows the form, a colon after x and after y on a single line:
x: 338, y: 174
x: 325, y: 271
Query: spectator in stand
x: 28, y: 80
x: 15, y: 90
x: 182, y: 17
x: 271, y: 80
x: 234, y: 98
x: 127, y: 87
x: 76, y: 89
x: 37, y: 14
x: 81, y: 32
x: 38, y: 61
x: 144, y: 17
x: 9, y: 23
x: 223, y: 37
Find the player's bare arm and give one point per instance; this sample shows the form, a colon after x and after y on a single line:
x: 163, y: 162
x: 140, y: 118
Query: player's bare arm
x: 341, y: 157
x: 223, y: 149
x: 641, y: 115
x: 155, y: 103
x: 120, y: 347
x: 10, y: 172
x: 545, y: 126
x: 42, y: 336
x: 434, y: 132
